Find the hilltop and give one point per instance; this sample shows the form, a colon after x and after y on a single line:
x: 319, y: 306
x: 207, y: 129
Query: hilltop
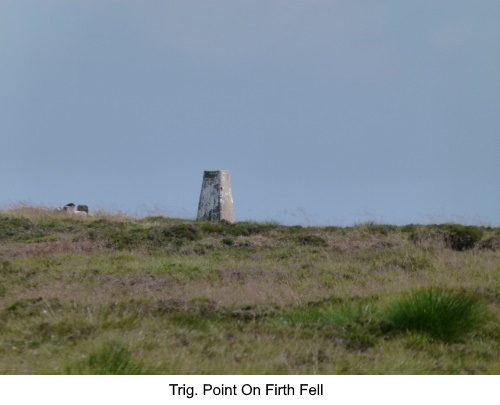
x: 115, y: 294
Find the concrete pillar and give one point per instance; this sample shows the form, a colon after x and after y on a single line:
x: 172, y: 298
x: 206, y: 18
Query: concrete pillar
x: 216, y: 201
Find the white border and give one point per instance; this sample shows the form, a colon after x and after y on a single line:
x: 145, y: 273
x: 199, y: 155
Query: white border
x: 372, y: 390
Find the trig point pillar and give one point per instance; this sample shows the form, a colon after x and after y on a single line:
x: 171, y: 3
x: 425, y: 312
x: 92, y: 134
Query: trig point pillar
x: 216, y: 201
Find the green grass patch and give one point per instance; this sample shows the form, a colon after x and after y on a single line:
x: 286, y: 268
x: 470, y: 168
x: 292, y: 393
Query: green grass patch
x: 113, y: 358
x: 354, y: 324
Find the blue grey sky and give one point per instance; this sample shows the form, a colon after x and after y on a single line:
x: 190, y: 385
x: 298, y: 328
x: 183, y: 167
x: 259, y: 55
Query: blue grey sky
x: 325, y: 112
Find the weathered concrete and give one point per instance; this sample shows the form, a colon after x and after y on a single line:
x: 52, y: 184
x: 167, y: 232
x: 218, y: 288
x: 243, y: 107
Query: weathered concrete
x: 216, y: 201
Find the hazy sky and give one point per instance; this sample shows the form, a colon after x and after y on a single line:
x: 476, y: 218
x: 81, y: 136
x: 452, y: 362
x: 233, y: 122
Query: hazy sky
x: 324, y: 111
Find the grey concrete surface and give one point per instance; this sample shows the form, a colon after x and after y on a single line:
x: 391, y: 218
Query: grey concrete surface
x: 216, y: 201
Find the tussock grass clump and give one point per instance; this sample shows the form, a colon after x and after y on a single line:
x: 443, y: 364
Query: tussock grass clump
x: 490, y: 243
x: 444, y: 314
x: 182, y: 231
x: 452, y: 236
x: 112, y: 359
x: 312, y: 240
x: 461, y: 237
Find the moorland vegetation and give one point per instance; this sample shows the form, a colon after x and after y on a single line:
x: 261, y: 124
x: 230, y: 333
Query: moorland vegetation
x: 112, y: 294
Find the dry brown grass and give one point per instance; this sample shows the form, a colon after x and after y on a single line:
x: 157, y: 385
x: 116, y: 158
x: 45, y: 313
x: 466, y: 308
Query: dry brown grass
x: 61, y: 246
x: 41, y: 212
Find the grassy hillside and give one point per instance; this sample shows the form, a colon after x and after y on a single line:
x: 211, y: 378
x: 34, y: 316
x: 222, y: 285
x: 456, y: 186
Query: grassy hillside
x: 109, y: 294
